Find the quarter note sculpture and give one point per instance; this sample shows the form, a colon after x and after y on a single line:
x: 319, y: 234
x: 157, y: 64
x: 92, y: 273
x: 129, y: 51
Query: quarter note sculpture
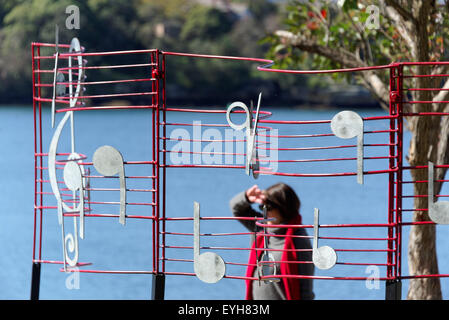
x: 109, y: 161
x: 267, y: 264
x: 347, y: 125
x: 323, y: 257
x: 438, y: 211
x: 252, y: 161
x: 209, y: 267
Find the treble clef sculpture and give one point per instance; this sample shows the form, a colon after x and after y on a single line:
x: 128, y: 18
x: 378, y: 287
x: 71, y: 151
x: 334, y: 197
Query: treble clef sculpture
x: 73, y: 171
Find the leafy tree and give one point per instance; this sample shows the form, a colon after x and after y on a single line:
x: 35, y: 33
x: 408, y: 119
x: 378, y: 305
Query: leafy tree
x: 332, y: 36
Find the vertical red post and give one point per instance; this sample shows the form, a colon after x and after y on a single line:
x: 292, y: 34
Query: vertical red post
x: 393, y: 286
x: 153, y: 134
x: 158, y: 284
x: 400, y: 169
x: 391, y: 175
x: 164, y: 159
x: 36, y: 266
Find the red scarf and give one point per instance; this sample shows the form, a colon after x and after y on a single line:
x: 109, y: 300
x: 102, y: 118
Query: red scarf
x: 291, y: 285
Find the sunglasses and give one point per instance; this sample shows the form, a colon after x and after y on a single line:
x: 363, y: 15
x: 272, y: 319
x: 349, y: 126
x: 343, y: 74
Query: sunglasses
x: 269, y: 207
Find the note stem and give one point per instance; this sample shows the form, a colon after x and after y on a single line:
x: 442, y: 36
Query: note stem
x: 430, y: 184
x: 315, y: 229
x: 360, y: 157
x: 81, y: 210
x: 122, y: 218
x: 196, y: 231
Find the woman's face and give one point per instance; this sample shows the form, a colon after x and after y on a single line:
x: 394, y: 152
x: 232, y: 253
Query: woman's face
x: 275, y: 214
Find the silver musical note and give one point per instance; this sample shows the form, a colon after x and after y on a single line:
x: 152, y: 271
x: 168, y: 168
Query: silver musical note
x: 438, y: 211
x: 55, y: 76
x: 209, y: 267
x: 75, y: 46
x: 323, y: 257
x: 73, y: 178
x: 109, y: 161
x: 252, y: 161
x: 347, y: 125
x: 70, y: 239
x: 267, y: 265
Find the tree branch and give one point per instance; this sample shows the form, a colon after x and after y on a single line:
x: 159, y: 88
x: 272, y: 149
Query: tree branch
x: 404, y: 30
x: 339, y: 55
x: 345, y: 58
x: 400, y: 9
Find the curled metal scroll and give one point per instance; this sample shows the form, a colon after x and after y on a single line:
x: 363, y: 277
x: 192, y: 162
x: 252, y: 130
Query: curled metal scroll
x: 73, y: 173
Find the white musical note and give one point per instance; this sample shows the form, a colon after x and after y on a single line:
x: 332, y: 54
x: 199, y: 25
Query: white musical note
x: 209, y: 267
x: 323, y: 257
x: 347, y: 125
x: 109, y: 161
x: 267, y: 265
x: 55, y: 76
x: 438, y: 211
x: 252, y: 161
x: 61, y: 205
x: 73, y: 178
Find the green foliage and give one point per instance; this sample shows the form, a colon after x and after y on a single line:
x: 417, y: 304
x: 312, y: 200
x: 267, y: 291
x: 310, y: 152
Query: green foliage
x: 345, y: 28
x: 136, y: 24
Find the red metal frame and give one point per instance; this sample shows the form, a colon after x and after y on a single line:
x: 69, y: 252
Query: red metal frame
x: 156, y: 71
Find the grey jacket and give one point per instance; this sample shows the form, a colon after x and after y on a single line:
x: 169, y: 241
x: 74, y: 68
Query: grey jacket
x: 241, y: 207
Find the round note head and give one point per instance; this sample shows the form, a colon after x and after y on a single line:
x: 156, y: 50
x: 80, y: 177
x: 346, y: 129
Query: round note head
x: 108, y: 160
x: 210, y: 267
x: 246, y: 123
x: 347, y: 124
x: 439, y: 212
x: 72, y: 175
x: 324, y: 258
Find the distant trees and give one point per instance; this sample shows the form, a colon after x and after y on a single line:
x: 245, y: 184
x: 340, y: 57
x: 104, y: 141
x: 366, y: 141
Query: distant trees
x: 170, y: 25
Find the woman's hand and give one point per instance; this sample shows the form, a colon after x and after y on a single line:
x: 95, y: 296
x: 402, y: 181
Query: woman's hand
x: 254, y: 194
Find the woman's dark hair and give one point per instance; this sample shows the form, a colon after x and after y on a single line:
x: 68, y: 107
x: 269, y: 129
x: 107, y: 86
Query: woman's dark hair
x: 284, y: 198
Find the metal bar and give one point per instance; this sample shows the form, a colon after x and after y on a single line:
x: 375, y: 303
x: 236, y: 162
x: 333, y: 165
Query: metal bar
x: 399, y: 173
x: 35, y: 281
x: 158, y: 286
x: 164, y: 156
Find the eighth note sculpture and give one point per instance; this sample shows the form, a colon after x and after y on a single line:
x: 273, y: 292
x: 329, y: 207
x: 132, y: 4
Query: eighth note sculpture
x: 109, y: 161
x: 347, y: 125
x: 267, y: 264
x: 323, y: 257
x: 438, y: 211
x: 209, y: 267
x: 252, y: 160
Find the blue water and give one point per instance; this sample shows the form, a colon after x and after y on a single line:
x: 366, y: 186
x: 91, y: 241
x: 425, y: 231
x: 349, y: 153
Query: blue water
x: 109, y: 245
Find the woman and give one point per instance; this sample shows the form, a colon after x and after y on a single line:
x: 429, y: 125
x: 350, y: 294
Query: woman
x: 282, y: 205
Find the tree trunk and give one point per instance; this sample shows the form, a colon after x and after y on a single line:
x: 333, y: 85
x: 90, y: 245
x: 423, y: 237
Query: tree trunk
x: 424, y: 146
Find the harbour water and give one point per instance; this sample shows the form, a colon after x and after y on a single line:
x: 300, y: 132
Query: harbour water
x: 111, y: 246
